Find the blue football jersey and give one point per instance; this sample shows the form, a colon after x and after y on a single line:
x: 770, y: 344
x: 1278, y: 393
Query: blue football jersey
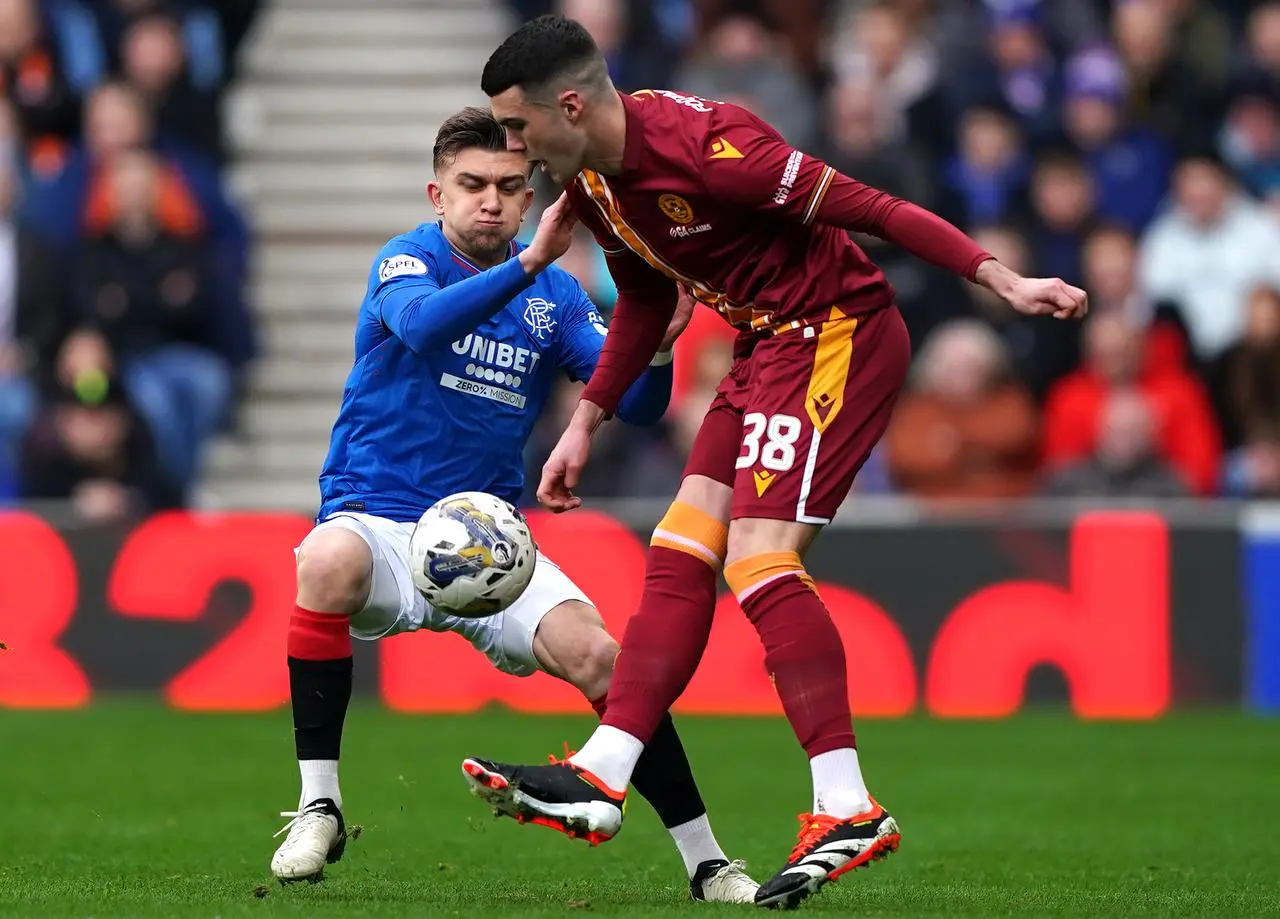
x: 452, y: 367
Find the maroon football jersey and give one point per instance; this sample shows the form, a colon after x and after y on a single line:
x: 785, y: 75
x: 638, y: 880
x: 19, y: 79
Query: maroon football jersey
x: 713, y: 197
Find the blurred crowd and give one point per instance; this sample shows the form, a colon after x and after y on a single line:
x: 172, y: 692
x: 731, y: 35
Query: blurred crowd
x: 1131, y: 147
x: 123, y: 322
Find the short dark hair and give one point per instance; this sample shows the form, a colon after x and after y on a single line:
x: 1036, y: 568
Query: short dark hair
x: 471, y: 128
x: 539, y: 52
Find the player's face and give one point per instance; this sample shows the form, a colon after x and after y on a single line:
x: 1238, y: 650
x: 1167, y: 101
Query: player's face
x: 547, y: 135
x: 481, y: 197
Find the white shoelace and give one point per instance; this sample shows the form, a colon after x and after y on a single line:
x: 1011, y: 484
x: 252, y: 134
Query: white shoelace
x: 298, y: 817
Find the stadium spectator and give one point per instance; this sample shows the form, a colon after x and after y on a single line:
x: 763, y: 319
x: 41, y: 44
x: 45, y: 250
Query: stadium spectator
x: 632, y: 38
x: 1202, y: 38
x: 1040, y: 352
x: 1247, y: 377
x: 1262, y: 42
x: 1063, y: 203
x: 1124, y: 462
x: 50, y: 55
x: 1253, y: 471
x: 1207, y: 252
x: 1130, y: 164
x: 1186, y: 432
x: 76, y: 199
x: 1019, y: 69
x: 965, y: 428
x: 89, y: 446
x: 148, y: 295
x: 1250, y: 140
x: 33, y: 314
x: 743, y: 60
x: 986, y: 181
x: 1165, y: 93
x: 153, y: 61
x: 878, y: 47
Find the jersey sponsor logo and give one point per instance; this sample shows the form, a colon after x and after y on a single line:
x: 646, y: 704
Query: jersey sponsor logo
x: 682, y: 232
x: 789, y: 174
x: 398, y: 265
x: 537, y: 314
x: 488, y: 391
x: 696, y: 103
x: 597, y: 322
x: 721, y: 149
x: 676, y: 208
x: 499, y: 354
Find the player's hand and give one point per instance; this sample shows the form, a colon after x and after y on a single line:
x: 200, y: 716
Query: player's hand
x: 1048, y: 297
x: 685, y: 305
x: 1034, y: 296
x: 553, y: 236
x: 561, y: 471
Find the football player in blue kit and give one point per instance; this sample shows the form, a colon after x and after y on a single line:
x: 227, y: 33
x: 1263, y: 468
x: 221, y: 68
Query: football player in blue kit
x: 459, y: 341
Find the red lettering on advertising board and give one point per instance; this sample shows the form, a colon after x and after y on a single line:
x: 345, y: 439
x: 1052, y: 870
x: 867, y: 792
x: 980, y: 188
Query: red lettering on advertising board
x: 37, y: 603
x: 1108, y: 632
x: 168, y: 568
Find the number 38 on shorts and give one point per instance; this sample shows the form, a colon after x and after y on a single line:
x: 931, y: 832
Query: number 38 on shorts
x: 795, y: 419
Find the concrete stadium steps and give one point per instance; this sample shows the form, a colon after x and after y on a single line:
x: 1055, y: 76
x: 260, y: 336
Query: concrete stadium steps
x: 332, y: 122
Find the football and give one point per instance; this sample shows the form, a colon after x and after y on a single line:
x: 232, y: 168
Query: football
x: 472, y: 554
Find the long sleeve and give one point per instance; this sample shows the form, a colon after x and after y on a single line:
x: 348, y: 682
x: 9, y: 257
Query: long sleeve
x: 771, y: 176
x: 584, y: 336
x: 646, y: 303
x: 426, y: 316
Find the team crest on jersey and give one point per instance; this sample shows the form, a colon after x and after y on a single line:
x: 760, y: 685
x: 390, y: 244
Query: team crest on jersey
x: 676, y: 208
x: 537, y: 313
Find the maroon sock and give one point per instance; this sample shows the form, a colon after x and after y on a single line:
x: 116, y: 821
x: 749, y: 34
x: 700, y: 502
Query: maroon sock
x: 805, y: 658
x: 663, y: 642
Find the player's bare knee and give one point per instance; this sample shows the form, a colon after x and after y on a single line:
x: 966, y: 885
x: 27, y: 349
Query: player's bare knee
x: 335, y: 569
x: 751, y: 536
x: 707, y: 495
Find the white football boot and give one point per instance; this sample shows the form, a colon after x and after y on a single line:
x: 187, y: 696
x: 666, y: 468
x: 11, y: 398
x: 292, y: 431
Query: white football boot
x: 723, y: 882
x: 317, y: 836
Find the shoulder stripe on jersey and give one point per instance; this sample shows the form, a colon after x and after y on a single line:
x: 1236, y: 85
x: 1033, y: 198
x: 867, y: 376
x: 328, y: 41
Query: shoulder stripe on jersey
x: 819, y: 192
x: 739, y: 316
x: 601, y: 195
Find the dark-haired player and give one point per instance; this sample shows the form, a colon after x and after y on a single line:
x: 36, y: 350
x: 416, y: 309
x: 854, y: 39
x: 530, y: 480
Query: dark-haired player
x: 459, y: 341
x: 680, y: 190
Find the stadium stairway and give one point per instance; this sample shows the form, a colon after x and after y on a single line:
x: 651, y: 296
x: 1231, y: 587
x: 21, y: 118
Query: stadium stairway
x: 333, y: 120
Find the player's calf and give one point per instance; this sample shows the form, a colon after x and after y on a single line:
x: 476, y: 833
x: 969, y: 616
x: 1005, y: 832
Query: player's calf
x: 571, y: 643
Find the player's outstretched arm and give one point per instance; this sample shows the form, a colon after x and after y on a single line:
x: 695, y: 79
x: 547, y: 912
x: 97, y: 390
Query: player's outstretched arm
x: 773, y: 177
x: 426, y: 316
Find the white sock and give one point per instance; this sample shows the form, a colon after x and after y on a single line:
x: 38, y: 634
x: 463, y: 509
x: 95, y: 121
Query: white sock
x: 319, y: 780
x: 610, y: 755
x: 696, y: 843
x: 838, y: 788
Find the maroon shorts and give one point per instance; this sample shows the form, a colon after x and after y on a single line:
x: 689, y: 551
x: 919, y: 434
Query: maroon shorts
x: 794, y: 421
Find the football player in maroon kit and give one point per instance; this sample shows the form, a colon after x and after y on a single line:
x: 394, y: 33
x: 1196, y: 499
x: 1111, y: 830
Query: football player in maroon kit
x: 680, y: 190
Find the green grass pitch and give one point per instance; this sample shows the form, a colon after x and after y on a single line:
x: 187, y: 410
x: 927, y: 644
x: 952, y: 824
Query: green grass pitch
x: 127, y: 810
